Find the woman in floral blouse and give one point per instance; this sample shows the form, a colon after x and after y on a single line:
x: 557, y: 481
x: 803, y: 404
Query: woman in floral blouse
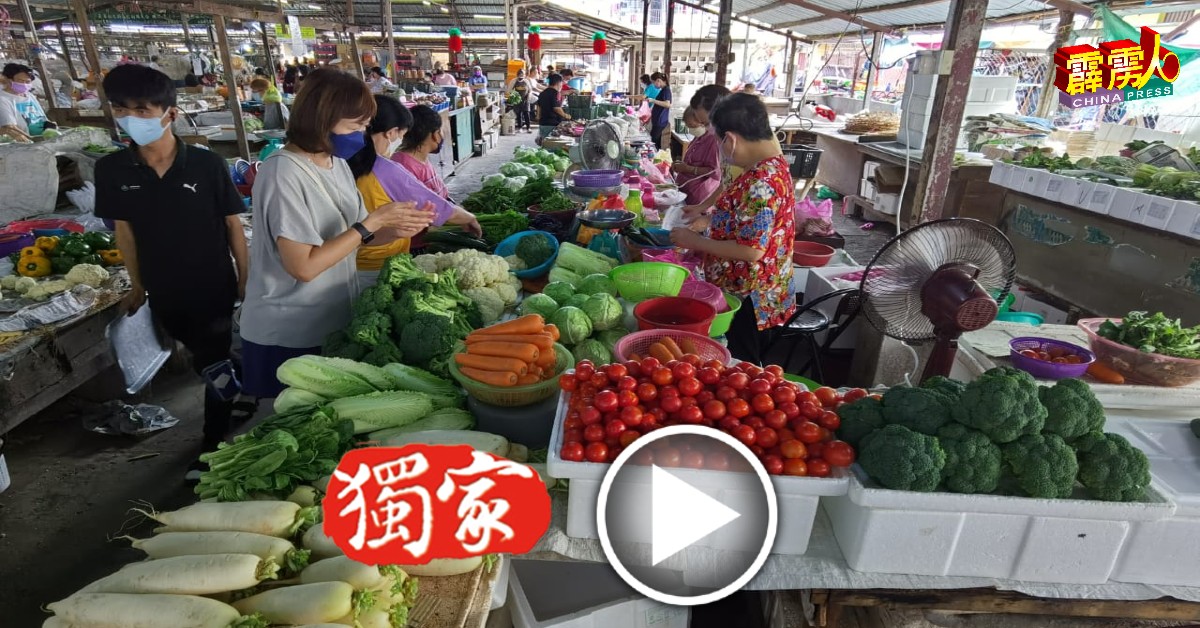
x: 748, y: 247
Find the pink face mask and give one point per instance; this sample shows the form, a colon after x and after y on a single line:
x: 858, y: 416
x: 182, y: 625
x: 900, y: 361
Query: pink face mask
x: 20, y: 88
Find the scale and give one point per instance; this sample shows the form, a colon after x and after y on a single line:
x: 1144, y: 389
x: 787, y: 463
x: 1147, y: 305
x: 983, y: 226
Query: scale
x: 598, y: 229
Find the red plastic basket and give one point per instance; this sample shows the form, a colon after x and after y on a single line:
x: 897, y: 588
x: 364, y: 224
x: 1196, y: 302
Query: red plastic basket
x: 680, y: 313
x: 28, y: 226
x: 639, y: 342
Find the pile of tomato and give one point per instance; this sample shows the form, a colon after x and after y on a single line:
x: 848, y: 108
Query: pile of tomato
x: 789, y: 428
x: 1053, y: 353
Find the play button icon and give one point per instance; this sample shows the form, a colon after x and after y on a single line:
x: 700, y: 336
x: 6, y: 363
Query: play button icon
x: 686, y: 515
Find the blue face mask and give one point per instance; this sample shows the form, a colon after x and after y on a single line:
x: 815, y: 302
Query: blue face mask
x: 142, y: 131
x: 346, y: 145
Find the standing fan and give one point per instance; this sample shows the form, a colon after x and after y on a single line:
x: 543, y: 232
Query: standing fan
x: 600, y: 147
x: 936, y: 281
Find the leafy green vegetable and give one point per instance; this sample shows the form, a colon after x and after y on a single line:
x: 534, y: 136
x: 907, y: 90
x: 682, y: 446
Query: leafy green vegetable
x: 594, y: 350
x: 583, y: 261
x: 498, y: 226
x: 598, y: 283
x: 1154, y: 334
x: 560, y: 291
x: 573, y: 325
x: 538, y: 304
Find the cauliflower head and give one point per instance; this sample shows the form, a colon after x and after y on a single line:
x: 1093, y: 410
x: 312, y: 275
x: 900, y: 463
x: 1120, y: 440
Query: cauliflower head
x: 24, y: 284
x: 506, y: 292
x: 47, y: 289
x: 479, y: 269
x: 87, y: 274
x: 491, y: 306
x: 431, y: 262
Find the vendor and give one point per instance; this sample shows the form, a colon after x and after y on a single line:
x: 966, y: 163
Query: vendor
x: 382, y: 181
x: 702, y: 102
x: 420, y: 142
x: 698, y: 174
x: 748, y: 247
x: 258, y: 88
x: 478, y: 82
x: 21, y: 115
x: 378, y: 82
x: 550, y: 111
x: 660, y: 112
x: 309, y: 221
x: 443, y: 78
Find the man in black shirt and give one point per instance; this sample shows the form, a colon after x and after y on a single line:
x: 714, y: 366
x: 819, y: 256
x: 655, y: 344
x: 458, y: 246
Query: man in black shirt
x: 550, y: 112
x: 176, y: 213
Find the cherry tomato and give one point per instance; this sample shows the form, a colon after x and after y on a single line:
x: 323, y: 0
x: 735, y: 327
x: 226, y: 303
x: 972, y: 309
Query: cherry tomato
x: 606, y: 401
x: 738, y: 381
x: 705, y: 396
x: 631, y: 416
x: 766, y: 437
x: 717, y: 460
x: 715, y: 409
x: 572, y: 451
x: 775, y: 419
x: 670, y: 405
x: 627, y: 437
x: 573, y: 422
x: 589, y: 415
x: 586, y: 389
x: 708, y: 376
x: 569, y: 383
x: 817, y: 468
x: 793, y: 449
x: 614, y: 451
x: 627, y: 398
x: 693, y: 460
x: 575, y: 435
x: 737, y: 408
x: 726, y: 393
x: 776, y: 370
x: 754, y: 422
x: 691, y: 414
x: 826, y: 435
x: 599, y: 380
x: 795, y: 466
x: 759, y: 386
x: 829, y: 420
x: 758, y: 452
x: 827, y: 395
x: 1073, y: 359
x: 615, y: 372
x: 593, y: 433
x: 810, y: 411
x: 596, y: 452
x: 1030, y: 353
x: 773, y: 464
x: 785, y: 434
x: 715, y: 364
x: 682, y: 370
x: 661, y: 376
x: 807, y: 432
x: 688, y: 401
x: 626, y: 382
x: 854, y: 394
x: 690, y: 386
x: 762, y: 403
x: 752, y: 370
x: 815, y: 450
x: 838, y: 453
x: 668, y: 457
x: 647, y: 392
x: 789, y: 408
x: 803, y: 396
x: 1056, y: 351
x: 649, y: 364
x: 783, y: 394
x: 584, y: 371
x: 746, y: 434
x: 613, y: 429
x: 729, y: 423
x: 633, y: 368
x: 742, y: 366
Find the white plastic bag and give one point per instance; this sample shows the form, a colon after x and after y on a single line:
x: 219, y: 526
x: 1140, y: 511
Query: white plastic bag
x: 84, y: 198
x: 674, y: 218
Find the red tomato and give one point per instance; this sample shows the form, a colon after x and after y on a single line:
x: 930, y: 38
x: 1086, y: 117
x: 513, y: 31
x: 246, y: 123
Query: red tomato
x: 758, y: 452
x: 775, y: 419
x: 793, y: 449
x: 726, y: 393
x: 690, y: 386
x: 742, y: 366
x: 795, y: 466
x: 729, y: 423
x: 693, y: 359
x: 775, y: 370
x: 631, y: 416
x: 691, y: 414
x: 816, y: 450
x: 754, y: 421
x: 568, y: 382
x: 668, y: 391
x: 599, y: 380
x: 785, y: 435
x: 670, y: 405
x: 762, y: 403
x: 688, y: 401
x: 790, y: 409
x: 593, y: 433
x: 613, y: 429
x: 825, y: 433
x: 766, y: 437
x: 661, y: 376
x: 829, y: 420
x: 746, y: 434
x: 737, y: 408
x: 572, y: 451
x: 573, y: 422
x: 633, y: 368
x: 614, y: 451
x: 752, y: 370
x: 704, y: 396
x: 589, y: 415
x: 839, y: 453
x: 627, y: 398
x: 693, y: 460
x: 810, y: 411
x: 708, y: 376
x: 876, y: 396
x: 854, y: 394
x: 615, y: 372
x: 586, y: 389
x: 584, y: 371
x: 717, y: 460
x: 647, y: 392
x: 715, y: 364
x: 648, y: 364
x: 682, y: 370
x: 627, y: 437
x: 759, y: 386
x: 827, y: 395
x: 783, y: 394
x: 773, y: 464
x: 626, y: 382
x: 807, y: 432
x: 818, y: 468
x: 801, y: 397
x: 668, y: 457
x: 738, y: 381
x: 596, y: 452
x: 714, y: 409
x: 575, y: 435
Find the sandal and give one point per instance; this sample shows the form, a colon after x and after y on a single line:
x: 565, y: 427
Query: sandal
x: 243, y: 411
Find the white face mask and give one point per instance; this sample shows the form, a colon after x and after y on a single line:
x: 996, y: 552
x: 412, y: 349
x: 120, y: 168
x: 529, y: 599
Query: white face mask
x: 394, y: 146
x: 697, y: 131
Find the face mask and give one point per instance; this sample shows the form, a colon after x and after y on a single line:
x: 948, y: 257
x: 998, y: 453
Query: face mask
x: 345, y: 145
x: 726, y: 159
x: 143, y: 131
x: 394, y: 146
x: 697, y: 131
x: 20, y: 88
x: 256, y: 96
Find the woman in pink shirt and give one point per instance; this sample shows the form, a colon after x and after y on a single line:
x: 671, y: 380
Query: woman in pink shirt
x: 699, y: 173
x: 423, y: 139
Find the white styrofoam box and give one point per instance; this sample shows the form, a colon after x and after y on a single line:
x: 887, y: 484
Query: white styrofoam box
x: 866, y: 189
x: 989, y: 536
x: 1101, y: 198
x: 500, y: 590
x: 821, y: 281
x: 869, y: 168
x: 1024, y: 179
x: 1159, y: 210
x: 920, y: 85
x: 1083, y: 194
x: 1129, y: 204
x: 633, y: 610
x: 1164, y: 552
x: 796, y: 497
x: 1049, y: 313
x: 1036, y: 184
x: 1071, y: 189
x: 1186, y: 220
x: 1051, y: 186
x: 887, y: 204
x: 992, y: 89
x: 1001, y: 171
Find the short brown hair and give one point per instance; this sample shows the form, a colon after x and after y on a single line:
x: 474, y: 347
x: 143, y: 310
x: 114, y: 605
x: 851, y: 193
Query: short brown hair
x: 260, y: 84
x: 327, y: 97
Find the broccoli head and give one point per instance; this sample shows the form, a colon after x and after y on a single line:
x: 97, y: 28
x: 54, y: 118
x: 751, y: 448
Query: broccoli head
x: 370, y: 329
x: 858, y: 419
x: 918, y: 409
x: 951, y: 388
x: 972, y: 461
x: 399, y: 271
x: 534, y: 249
x: 902, y: 459
x: 377, y: 298
x: 1072, y: 409
x: 1043, y: 465
x: 339, y: 345
x: 1111, y: 469
x: 383, y: 354
x: 430, y: 335
x: 1003, y: 404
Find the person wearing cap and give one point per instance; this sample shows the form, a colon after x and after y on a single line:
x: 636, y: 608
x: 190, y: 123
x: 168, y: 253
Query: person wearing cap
x: 21, y: 115
x: 478, y: 82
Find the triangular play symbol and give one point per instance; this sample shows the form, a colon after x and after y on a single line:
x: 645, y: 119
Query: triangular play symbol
x: 681, y: 514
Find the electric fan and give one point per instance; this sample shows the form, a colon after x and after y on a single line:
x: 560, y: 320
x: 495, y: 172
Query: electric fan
x: 936, y: 281
x: 600, y: 147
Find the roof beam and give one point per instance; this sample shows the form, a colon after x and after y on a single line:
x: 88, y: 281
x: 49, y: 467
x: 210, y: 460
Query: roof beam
x: 774, y: 28
x: 841, y: 15
x: 764, y: 8
x: 207, y: 7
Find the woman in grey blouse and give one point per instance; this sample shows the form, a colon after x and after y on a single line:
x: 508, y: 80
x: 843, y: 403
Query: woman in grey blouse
x: 308, y: 222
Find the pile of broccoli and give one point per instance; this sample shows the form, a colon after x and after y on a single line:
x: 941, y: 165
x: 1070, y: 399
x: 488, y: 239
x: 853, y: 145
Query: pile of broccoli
x: 1000, y: 434
x: 410, y: 316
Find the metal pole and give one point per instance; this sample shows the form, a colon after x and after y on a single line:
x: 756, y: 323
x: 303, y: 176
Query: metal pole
x: 34, y: 48
x: 669, y: 43
x: 645, y: 37
x: 876, y: 50
x: 187, y: 32
x: 93, y: 59
x: 724, y: 25
x: 235, y: 104
x: 745, y: 53
x: 389, y: 27
x: 270, y: 59
x: 1048, y: 97
x: 789, y: 68
x: 62, y: 40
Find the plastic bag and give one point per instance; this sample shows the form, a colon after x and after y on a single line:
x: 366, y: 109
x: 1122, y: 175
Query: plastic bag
x: 643, y: 113
x: 653, y: 173
x: 674, y: 218
x: 814, y: 219
x: 115, y: 418
x: 84, y: 198
x: 691, y: 261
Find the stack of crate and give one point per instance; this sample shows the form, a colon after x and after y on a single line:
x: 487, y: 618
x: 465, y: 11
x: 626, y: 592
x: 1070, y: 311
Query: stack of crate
x: 985, y: 96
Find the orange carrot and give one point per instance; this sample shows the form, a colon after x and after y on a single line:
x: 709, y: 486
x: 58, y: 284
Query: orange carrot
x: 528, y: 324
x: 491, y: 378
x: 552, y: 330
x: 526, y: 380
x: 542, y: 341
x: 669, y: 343
x: 492, y: 363
x: 688, y: 346
x: 523, y: 351
x: 1105, y: 374
x: 663, y: 354
x: 547, y: 358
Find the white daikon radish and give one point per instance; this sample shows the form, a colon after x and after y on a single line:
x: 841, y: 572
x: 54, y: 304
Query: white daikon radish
x: 490, y: 443
x: 303, y: 603
x: 443, y: 567
x: 170, y: 544
x: 305, y: 496
x: 273, y: 518
x: 56, y: 622
x: 188, y: 575
x: 361, y: 576
x: 146, y: 610
x: 377, y: 618
x: 319, y: 544
x: 517, y: 452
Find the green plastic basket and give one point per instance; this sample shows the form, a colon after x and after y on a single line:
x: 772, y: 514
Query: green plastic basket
x: 1008, y: 301
x: 720, y: 324
x: 516, y: 395
x: 812, y: 385
x: 645, y: 280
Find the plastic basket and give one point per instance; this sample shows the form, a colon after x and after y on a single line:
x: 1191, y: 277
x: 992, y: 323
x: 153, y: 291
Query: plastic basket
x: 639, y: 342
x: 706, y: 292
x: 802, y: 160
x: 680, y: 313
x: 516, y: 395
x: 722, y: 321
x: 645, y: 280
x: 596, y: 178
x: 508, y: 246
x: 1139, y: 367
x: 1042, y: 369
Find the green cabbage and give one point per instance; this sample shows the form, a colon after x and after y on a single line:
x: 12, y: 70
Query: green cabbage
x: 573, y: 325
x: 610, y: 337
x: 538, y: 304
x: 593, y: 350
x: 577, y: 300
x: 604, y: 310
x: 597, y: 283
x: 560, y: 291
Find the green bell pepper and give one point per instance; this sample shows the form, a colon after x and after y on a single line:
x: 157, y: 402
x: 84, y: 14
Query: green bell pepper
x: 76, y: 248
x: 61, y: 264
x: 98, y: 240
x: 91, y: 258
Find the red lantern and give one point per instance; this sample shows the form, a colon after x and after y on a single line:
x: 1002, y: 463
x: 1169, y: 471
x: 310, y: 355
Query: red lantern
x: 534, y: 41
x: 455, y: 40
x: 599, y: 43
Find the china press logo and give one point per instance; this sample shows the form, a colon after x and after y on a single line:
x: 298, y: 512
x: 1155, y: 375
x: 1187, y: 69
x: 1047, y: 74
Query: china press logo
x: 1115, y: 71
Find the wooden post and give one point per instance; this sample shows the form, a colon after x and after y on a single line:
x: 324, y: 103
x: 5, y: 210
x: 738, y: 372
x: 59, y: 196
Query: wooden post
x: 790, y: 67
x: 93, y: 59
x: 645, y: 36
x: 235, y: 103
x: 32, y: 45
x: 724, y: 36
x: 389, y: 28
x: 1048, y: 97
x: 62, y: 40
x: 670, y: 41
x: 950, y: 100
x: 876, y: 50
x: 354, y: 39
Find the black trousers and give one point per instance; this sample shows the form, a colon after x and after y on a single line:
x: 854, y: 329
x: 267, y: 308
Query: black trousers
x: 523, y: 117
x: 209, y: 337
x: 656, y: 133
x: 746, y: 342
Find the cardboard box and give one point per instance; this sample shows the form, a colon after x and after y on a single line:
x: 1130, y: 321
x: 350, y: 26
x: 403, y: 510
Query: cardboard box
x: 889, y: 178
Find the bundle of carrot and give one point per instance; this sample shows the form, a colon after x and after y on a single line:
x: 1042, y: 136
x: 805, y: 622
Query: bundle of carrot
x: 666, y: 349
x: 518, y: 352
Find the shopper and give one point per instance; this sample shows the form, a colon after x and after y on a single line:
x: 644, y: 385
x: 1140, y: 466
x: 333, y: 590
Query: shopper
x: 381, y: 181
x: 519, y: 92
x: 565, y: 90
x: 443, y: 78
x: 176, y: 217
x: 21, y: 115
x: 378, y: 82
x: 748, y: 249
x: 291, y: 77
x: 649, y: 89
x: 420, y: 142
x: 660, y: 112
x: 478, y: 82
x: 258, y: 88
x: 698, y: 174
x: 309, y: 221
x: 550, y: 111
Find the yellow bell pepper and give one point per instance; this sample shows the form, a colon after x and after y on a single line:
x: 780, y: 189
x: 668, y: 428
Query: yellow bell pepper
x: 32, y: 251
x: 47, y: 243
x: 111, y: 257
x: 33, y: 266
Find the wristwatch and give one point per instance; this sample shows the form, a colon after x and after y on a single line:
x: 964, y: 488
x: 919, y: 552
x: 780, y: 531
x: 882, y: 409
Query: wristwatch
x: 366, y: 234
